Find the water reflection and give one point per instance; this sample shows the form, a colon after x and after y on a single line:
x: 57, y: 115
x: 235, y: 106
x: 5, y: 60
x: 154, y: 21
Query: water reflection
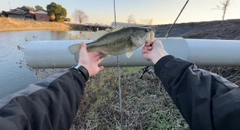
x: 14, y: 75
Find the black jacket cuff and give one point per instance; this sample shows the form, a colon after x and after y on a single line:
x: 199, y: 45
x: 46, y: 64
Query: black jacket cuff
x: 161, y: 63
x: 83, y: 71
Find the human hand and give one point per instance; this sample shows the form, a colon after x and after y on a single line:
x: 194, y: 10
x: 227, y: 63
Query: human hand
x: 153, y: 51
x: 90, y: 60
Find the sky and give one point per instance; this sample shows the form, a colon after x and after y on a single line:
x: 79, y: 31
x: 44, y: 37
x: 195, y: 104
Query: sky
x: 160, y: 11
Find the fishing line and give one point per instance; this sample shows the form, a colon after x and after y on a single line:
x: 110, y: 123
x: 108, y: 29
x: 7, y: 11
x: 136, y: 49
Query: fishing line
x: 146, y: 69
x: 119, y: 78
x: 176, y: 19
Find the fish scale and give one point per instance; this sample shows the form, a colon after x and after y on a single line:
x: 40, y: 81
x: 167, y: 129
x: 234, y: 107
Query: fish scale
x: 108, y: 49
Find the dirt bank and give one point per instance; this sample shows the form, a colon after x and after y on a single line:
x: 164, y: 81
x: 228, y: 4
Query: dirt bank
x: 229, y: 29
x: 8, y: 24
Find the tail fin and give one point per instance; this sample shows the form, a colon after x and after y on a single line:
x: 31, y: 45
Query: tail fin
x: 74, y: 49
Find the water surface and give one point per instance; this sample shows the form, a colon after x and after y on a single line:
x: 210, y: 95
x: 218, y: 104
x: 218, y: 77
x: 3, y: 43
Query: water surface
x: 14, y: 74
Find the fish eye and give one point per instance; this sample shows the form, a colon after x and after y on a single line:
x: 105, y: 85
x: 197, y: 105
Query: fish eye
x: 147, y: 30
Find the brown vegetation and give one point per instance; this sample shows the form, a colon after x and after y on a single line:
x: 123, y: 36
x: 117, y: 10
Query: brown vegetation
x: 8, y: 24
x: 146, y: 105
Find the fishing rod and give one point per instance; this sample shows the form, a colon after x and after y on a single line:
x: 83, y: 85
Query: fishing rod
x: 146, y: 69
x: 176, y: 19
x: 119, y: 77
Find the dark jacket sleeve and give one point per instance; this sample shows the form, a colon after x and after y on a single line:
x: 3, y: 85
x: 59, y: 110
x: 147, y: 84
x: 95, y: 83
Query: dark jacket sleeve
x: 207, y: 101
x: 48, y: 105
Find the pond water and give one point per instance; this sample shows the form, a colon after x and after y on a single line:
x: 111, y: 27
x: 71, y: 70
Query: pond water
x: 14, y: 74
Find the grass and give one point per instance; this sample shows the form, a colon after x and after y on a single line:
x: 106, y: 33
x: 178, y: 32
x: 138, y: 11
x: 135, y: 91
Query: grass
x: 8, y: 24
x: 145, y: 103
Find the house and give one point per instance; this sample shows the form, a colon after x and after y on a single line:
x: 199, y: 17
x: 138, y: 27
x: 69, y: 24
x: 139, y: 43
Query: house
x: 41, y: 15
x: 24, y: 12
x: 16, y: 13
x: 27, y: 12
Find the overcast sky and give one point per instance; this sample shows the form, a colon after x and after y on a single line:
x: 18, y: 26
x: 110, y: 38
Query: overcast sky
x: 161, y: 11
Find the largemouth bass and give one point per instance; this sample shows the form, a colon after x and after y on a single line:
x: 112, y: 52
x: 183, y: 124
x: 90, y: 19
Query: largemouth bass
x: 117, y: 41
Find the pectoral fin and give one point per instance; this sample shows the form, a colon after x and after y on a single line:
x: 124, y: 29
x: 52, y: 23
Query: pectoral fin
x: 129, y: 54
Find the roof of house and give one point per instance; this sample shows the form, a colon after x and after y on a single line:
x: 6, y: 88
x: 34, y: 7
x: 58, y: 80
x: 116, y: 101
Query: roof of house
x: 41, y: 11
x: 21, y: 10
x: 16, y: 11
x: 26, y: 8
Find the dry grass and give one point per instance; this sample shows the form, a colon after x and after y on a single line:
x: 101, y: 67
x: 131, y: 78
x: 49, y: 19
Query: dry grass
x: 8, y: 24
x: 146, y: 105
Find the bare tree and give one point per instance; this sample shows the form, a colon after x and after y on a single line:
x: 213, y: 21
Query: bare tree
x: 146, y: 21
x: 223, y: 6
x: 131, y: 19
x: 80, y: 16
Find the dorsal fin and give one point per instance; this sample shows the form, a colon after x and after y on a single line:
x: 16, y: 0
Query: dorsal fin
x: 99, y: 34
x: 116, y: 28
x: 108, y: 30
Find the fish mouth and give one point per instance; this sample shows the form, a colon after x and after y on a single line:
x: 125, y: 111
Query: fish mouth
x: 149, y: 29
x: 151, y: 36
x: 151, y: 33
